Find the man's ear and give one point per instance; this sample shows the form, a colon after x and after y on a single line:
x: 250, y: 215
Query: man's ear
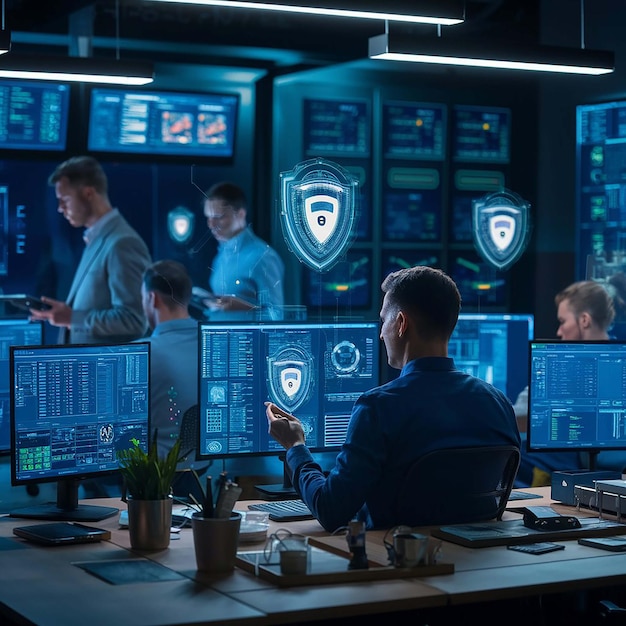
x: 403, y: 323
x: 585, y: 320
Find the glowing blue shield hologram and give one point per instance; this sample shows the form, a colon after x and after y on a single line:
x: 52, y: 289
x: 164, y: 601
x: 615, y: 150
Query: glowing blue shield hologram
x: 501, y: 227
x: 180, y: 224
x: 290, y: 378
x: 319, y: 211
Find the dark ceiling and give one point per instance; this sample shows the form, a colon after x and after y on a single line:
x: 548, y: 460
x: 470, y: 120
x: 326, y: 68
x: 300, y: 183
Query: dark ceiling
x: 207, y: 34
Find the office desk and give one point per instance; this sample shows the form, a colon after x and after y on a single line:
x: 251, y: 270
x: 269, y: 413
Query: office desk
x: 43, y: 586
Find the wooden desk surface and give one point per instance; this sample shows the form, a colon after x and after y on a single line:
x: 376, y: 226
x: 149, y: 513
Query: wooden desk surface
x: 45, y: 586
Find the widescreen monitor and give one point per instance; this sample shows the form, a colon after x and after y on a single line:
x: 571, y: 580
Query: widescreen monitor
x: 315, y: 371
x: 14, y: 331
x: 493, y: 347
x: 577, y: 396
x: 72, y: 408
x: 33, y: 115
x: 162, y: 123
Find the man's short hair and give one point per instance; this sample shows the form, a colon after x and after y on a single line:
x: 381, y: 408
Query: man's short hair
x: 427, y: 295
x: 171, y: 280
x: 589, y: 296
x: 230, y: 193
x: 81, y: 171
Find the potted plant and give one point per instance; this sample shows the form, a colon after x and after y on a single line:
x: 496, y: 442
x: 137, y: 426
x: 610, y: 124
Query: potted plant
x: 147, y: 491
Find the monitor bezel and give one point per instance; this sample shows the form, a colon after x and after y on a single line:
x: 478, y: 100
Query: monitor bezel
x: 280, y: 452
x: 78, y: 476
x: 592, y: 449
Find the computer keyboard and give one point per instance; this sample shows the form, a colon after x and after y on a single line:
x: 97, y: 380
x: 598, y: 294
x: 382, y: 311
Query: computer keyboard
x: 284, y: 510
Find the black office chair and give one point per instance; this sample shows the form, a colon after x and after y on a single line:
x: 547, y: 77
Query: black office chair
x: 458, y: 486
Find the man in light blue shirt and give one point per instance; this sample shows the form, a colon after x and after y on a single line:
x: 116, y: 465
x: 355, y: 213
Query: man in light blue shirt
x: 247, y: 274
x: 431, y: 405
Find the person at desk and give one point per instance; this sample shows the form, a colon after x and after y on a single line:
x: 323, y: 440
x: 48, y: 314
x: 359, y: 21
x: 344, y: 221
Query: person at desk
x: 431, y: 405
x: 246, y: 274
x: 165, y: 296
x: 585, y: 312
x: 104, y: 301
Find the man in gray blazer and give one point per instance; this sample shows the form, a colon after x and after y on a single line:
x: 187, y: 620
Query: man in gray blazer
x: 104, y: 302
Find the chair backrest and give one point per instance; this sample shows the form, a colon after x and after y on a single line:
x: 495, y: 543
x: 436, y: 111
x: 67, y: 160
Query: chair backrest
x: 189, y: 434
x: 458, y: 485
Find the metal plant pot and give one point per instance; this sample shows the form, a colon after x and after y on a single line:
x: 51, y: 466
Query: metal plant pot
x: 149, y: 523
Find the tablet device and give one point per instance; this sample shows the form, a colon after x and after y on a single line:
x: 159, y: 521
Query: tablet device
x: 61, y: 533
x: 24, y: 301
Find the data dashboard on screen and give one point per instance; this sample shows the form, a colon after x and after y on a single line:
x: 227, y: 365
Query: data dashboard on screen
x: 336, y: 128
x: 481, y: 134
x: 72, y: 408
x: 414, y: 130
x: 162, y: 123
x: 600, y: 183
x: 33, y: 115
x: 315, y: 371
x: 14, y: 331
x: 577, y: 396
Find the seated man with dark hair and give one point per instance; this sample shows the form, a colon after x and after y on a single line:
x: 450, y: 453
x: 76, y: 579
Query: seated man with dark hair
x: 430, y: 406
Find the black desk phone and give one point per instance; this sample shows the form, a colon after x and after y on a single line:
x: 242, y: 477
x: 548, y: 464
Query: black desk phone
x: 546, y: 518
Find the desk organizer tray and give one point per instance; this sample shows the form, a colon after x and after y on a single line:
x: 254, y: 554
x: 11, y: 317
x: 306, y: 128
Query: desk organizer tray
x: 486, y: 534
x: 327, y: 567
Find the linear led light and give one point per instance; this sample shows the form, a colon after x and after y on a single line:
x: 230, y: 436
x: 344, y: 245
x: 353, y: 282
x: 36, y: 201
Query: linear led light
x: 77, y: 69
x: 444, y: 12
x: 401, y: 47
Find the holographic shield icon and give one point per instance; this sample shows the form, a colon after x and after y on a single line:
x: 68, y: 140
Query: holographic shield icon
x: 319, y: 211
x: 290, y: 377
x: 501, y: 228
x: 180, y: 224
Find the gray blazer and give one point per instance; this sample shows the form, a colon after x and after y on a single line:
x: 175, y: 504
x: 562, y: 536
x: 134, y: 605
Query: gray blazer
x: 105, y: 295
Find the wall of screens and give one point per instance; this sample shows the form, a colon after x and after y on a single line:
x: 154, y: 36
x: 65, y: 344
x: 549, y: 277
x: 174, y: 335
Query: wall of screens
x: 601, y: 189
x: 435, y: 159
x: 33, y: 115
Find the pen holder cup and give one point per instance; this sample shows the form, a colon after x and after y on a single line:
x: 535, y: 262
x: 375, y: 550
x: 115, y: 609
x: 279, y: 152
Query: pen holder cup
x: 215, y: 541
x: 411, y: 549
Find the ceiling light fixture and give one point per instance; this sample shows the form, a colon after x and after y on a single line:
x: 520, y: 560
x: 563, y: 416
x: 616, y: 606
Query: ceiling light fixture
x: 403, y: 47
x: 79, y: 69
x: 443, y: 12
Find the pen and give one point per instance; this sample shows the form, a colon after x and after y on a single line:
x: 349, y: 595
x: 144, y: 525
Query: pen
x: 207, y: 505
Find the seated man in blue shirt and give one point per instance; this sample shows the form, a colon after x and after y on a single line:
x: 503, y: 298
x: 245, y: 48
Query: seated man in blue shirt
x: 431, y: 405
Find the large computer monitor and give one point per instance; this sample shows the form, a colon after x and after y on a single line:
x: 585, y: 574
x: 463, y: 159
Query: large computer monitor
x: 14, y: 331
x: 314, y: 370
x: 72, y: 408
x: 494, y: 347
x: 577, y: 396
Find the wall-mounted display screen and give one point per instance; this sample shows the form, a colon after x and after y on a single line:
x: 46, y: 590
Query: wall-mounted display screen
x: 336, y: 128
x: 33, y: 115
x: 412, y: 215
x: 414, y: 130
x: 162, y: 123
x: 346, y: 284
x: 479, y: 283
x: 600, y: 184
x: 397, y: 259
x: 481, y: 134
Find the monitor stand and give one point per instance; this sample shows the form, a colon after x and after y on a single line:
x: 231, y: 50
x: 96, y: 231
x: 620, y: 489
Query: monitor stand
x: 282, y: 491
x: 67, y: 507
